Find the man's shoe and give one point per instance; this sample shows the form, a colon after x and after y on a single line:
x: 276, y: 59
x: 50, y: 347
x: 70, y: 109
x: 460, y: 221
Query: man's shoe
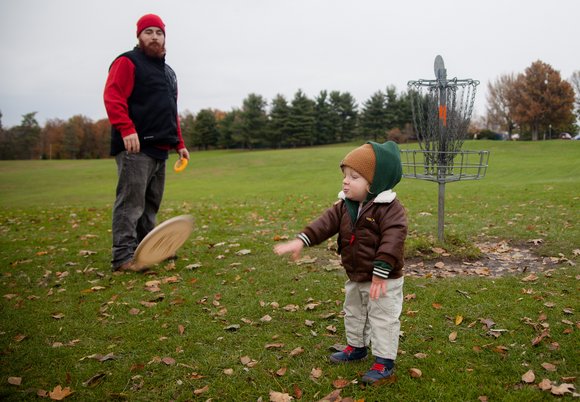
x: 378, y: 373
x: 349, y: 354
x: 130, y: 266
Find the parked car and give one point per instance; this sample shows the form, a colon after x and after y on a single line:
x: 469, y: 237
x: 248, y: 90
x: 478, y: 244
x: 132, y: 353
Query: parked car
x: 565, y: 136
x: 576, y: 137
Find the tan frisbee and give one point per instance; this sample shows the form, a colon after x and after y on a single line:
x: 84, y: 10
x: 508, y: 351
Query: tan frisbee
x: 163, y: 241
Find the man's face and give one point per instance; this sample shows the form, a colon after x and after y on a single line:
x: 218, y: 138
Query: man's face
x: 152, y: 41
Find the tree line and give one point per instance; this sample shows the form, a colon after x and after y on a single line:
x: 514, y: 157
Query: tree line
x: 331, y: 117
x: 533, y: 102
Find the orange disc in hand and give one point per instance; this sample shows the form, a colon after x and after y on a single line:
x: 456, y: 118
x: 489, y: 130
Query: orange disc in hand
x: 180, y: 165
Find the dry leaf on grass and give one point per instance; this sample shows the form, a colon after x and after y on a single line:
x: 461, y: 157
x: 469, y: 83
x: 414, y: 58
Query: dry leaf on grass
x: 453, y: 336
x: 415, y: 372
x: 562, y: 389
x: 545, y: 385
x: 276, y: 396
x: 14, y: 380
x: 200, y: 391
x: 334, y: 396
x: 549, y: 367
x: 59, y: 393
x: 529, y: 377
x: 297, y: 351
x: 315, y: 373
x: 340, y: 383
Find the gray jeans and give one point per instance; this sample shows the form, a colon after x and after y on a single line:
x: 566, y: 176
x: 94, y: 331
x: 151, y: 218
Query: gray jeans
x: 141, y: 180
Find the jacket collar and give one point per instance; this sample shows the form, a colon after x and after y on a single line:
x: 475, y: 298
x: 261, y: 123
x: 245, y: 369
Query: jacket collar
x: 385, y: 197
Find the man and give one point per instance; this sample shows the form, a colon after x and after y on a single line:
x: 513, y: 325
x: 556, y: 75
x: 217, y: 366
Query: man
x: 141, y: 102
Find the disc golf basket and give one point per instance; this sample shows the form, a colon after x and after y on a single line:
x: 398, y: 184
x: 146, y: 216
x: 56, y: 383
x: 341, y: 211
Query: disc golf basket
x: 441, y: 114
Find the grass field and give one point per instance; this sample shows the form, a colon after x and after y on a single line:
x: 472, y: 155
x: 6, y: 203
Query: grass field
x: 232, y: 321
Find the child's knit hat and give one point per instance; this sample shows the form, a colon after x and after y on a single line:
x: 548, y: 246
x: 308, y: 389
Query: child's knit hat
x: 379, y: 164
x: 363, y: 160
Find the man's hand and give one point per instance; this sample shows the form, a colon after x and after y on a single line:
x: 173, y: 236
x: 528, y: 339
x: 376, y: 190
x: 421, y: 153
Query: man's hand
x: 183, y: 153
x: 132, y: 144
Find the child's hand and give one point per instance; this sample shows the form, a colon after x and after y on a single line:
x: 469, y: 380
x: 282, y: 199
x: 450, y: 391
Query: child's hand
x: 378, y: 287
x: 294, y: 246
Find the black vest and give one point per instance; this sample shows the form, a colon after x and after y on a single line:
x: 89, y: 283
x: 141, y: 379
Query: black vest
x: 152, y: 105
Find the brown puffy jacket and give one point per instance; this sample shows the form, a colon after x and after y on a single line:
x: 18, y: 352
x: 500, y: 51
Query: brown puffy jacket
x: 378, y: 235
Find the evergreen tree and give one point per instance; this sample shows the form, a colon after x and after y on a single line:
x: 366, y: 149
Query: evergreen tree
x: 374, y: 116
x: 253, y: 120
x: 324, y: 131
x: 278, y: 123
x: 344, y: 109
x: 228, y: 128
x: 301, y: 121
x: 205, y: 129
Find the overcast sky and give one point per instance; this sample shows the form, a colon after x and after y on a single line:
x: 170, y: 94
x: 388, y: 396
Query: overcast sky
x: 56, y: 53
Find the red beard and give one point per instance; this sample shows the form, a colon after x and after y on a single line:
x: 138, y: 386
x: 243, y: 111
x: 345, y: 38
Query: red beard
x: 154, y: 49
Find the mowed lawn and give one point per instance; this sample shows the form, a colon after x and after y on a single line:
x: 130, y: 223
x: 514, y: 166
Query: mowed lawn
x: 232, y: 321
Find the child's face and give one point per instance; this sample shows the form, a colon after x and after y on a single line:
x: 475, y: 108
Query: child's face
x: 354, y: 186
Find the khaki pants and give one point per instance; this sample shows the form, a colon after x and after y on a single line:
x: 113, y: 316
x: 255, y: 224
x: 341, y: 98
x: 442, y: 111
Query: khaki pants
x: 374, y: 322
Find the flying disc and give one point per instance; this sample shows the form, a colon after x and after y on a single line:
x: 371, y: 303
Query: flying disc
x: 163, y: 241
x: 180, y: 165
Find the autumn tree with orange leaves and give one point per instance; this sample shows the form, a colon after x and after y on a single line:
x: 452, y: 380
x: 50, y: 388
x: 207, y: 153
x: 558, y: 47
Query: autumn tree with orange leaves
x: 540, y: 101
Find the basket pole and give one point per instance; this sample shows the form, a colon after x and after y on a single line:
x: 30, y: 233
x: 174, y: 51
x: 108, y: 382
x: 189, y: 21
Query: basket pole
x: 441, y: 213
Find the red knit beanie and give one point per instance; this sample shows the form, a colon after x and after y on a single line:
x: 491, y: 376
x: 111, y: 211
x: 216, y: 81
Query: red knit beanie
x: 150, y: 20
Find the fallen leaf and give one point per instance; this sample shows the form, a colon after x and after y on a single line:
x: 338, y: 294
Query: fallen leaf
x: 436, y: 306
x: 440, y: 265
x: 562, y: 389
x: 529, y: 377
x: 458, y: 319
x: 410, y: 296
x: 228, y: 371
x: 281, y: 371
x: 530, y: 278
x: 297, y: 391
x: 276, y: 396
x: 453, y: 336
x: 536, y: 341
x: 274, y: 345
x: 415, y: 373
x: 549, y: 367
x: 315, y: 373
x: 420, y: 355
x: 266, y: 318
x: 334, y: 396
x: 545, y: 385
x: 59, y: 393
x: 200, y: 391
x: 94, y: 380
x: 100, y: 357
x: 340, y: 383
x: 14, y: 380
x: 297, y: 351
x: 169, y: 361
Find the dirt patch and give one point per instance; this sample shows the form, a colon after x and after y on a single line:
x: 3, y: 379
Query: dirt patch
x: 499, y: 259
